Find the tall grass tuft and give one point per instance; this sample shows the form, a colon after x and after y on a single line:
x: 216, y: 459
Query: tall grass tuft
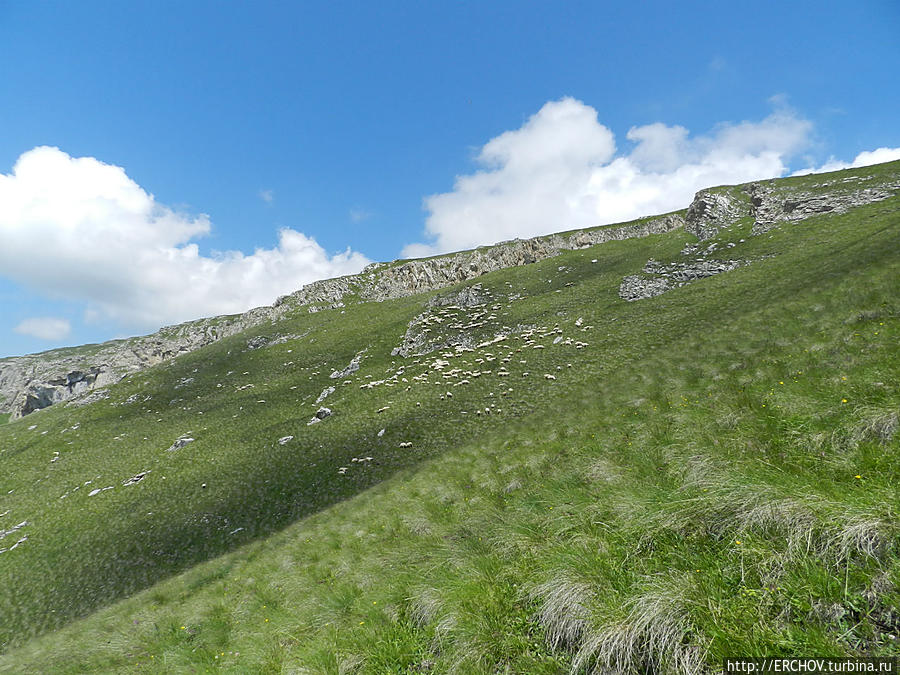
x: 656, y: 635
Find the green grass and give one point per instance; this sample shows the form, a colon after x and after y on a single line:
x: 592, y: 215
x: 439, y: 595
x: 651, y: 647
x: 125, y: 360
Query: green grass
x: 716, y: 473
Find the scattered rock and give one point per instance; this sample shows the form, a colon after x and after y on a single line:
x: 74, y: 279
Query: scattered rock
x: 14, y: 528
x: 326, y: 392
x: 21, y: 540
x: 351, y: 368
x: 183, y: 382
x: 137, y: 478
x: 665, y: 277
x: 637, y: 287
x: 320, y: 415
x: 179, y: 443
x: 257, y: 342
x: 91, y: 397
x: 284, y: 440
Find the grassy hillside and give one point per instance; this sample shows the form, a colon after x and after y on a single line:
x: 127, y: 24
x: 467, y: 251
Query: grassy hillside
x: 710, y: 472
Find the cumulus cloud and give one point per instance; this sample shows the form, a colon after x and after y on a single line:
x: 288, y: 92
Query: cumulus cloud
x: 866, y: 158
x: 44, y: 328
x: 80, y: 229
x: 561, y: 170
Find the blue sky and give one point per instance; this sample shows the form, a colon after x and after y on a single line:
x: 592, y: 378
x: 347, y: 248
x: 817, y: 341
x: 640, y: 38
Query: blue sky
x: 161, y: 161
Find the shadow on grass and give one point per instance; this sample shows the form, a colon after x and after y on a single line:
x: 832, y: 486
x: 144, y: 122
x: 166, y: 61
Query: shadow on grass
x: 267, y: 489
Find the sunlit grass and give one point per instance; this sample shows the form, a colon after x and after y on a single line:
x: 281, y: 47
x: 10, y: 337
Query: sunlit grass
x: 715, y: 474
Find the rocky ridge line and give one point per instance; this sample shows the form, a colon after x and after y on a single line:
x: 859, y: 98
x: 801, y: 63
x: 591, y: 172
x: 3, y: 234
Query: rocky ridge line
x: 32, y: 382
x: 36, y: 381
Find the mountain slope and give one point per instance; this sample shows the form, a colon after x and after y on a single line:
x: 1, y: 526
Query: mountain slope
x: 651, y: 485
x: 36, y: 381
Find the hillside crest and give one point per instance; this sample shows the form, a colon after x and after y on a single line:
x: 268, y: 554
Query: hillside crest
x: 32, y: 382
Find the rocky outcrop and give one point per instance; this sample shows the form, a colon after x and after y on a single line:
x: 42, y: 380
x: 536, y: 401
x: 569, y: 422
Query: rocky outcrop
x: 351, y: 368
x: 452, y: 319
x: 419, y: 276
x: 29, y: 383
x: 773, y: 205
x: 659, y: 278
x: 718, y: 209
x: 713, y: 211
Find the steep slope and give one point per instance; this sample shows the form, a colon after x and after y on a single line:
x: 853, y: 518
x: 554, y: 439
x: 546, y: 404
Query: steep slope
x: 524, y: 474
x: 37, y: 381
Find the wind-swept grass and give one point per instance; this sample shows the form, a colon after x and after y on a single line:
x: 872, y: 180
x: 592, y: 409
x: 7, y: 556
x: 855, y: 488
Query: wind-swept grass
x: 716, y: 472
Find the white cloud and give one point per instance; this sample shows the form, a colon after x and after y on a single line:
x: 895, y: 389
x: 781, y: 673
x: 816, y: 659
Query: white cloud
x: 268, y: 196
x: 358, y: 215
x: 865, y: 158
x: 77, y: 228
x: 560, y: 171
x: 44, y: 328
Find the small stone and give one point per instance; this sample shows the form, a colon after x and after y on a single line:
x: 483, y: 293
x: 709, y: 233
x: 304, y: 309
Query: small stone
x: 180, y: 443
x: 137, y: 478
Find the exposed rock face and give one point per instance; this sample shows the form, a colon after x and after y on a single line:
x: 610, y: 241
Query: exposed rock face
x: 773, y: 205
x: 716, y: 209
x: 712, y: 211
x: 419, y: 276
x: 29, y: 383
x: 672, y: 275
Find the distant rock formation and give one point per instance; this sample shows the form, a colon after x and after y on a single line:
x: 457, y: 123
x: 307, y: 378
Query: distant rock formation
x: 772, y: 205
x: 778, y: 201
x: 716, y: 210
